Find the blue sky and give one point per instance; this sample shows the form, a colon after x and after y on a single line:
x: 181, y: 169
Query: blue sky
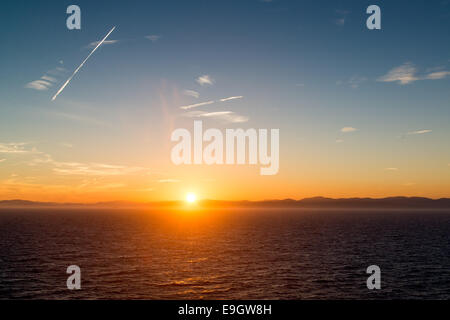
x: 310, y: 68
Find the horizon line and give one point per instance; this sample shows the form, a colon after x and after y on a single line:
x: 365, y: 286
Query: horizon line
x: 200, y: 201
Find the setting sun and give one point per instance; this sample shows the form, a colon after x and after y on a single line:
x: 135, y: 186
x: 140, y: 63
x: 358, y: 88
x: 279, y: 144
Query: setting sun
x: 191, y: 197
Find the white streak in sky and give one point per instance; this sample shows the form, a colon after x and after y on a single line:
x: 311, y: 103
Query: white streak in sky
x: 81, y: 65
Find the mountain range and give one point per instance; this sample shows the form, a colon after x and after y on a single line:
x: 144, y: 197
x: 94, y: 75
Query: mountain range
x: 315, y: 202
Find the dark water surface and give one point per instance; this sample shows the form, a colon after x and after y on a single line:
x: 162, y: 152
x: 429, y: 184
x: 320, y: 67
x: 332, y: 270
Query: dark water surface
x: 228, y: 254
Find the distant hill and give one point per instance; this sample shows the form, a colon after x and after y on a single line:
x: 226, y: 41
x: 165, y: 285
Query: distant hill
x: 316, y: 202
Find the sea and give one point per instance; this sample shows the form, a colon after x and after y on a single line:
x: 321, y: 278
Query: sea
x: 224, y: 253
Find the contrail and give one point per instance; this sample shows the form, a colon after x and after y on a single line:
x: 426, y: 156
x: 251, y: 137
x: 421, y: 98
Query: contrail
x: 81, y: 65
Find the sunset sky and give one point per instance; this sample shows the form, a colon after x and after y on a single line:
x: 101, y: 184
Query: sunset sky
x: 361, y: 113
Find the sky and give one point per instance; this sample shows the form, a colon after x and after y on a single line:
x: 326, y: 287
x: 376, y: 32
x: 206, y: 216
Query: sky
x: 361, y: 113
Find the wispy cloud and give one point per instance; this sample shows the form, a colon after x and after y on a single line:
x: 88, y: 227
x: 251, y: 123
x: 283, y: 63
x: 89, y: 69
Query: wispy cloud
x: 340, y: 21
x: 419, y: 132
x: 96, y: 43
x: 209, y: 102
x: 57, y: 71
x: 191, y: 93
x: 109, y: 186
x: 230, y: 98
x: 342, y: 17
x: 2, y: 160
x: 39, y: 85
x: 153, y: 37
x: 391, y: 169
x: 205, y: 80
x: 437, y: 75
x: 339, y: 140
x: 348, y: 129
x: 48, y: 78
x: 404, y: 74
x: 66, y: 144
x: 17, y: 148
x: 94, y: 169
x: 407, y: 73
x: 86, y: 169
x: 46, y: 81
x: 355, y: 81
x: 197, y: 105
x: 226, y: 116
x: 168, y: 181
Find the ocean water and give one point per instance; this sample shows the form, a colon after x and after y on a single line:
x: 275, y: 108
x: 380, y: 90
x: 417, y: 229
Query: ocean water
x: 224, y: 254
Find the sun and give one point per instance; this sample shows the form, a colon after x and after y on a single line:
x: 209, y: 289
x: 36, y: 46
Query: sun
x: 191, y: 197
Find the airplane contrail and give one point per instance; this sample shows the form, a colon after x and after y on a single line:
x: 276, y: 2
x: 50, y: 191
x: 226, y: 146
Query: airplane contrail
x: 81, y: 65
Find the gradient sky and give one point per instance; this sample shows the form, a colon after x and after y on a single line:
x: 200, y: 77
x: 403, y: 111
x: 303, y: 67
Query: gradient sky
x: 309, y: 68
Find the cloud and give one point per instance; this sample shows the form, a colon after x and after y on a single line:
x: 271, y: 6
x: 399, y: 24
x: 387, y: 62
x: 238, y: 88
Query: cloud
x: 339, y: 140
x: 13, y: 187
x: 96, y: 43
x: 153, y: 37
x: 226, y: 116
x: 207, y: 102
x: 2, y: 160
x: 46, y: 81
x: 348, y: 129
x: 48, y: 78
x: 230, y: 98
x: 57, y: 71
x: 340, y: 21
x: 404, y: 74
x: 66, y: 145
x: 93, y: 169
x: 85, y: 169
x: 437, y: 75
x: 391, y: 169
x: 191, y: 93
x: 407, y: 73
x: 110, y: 186
x: 420, y: 131
x: 205, y: 80
x: 342, y: 17
x: 197, y: 105
x: 16, y: 148
x: 168, y: 181
x: 39, y: 85
x: 355, y: 81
